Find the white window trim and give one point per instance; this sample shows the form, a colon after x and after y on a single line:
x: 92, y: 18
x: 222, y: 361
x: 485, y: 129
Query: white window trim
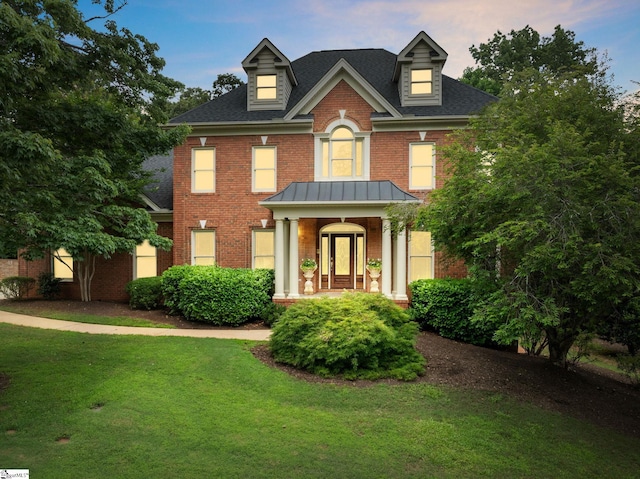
x: 193, y: 170
x: 64, y: 265
x: 253, y: 245
x: 193, y: 245
x: 433, y: 166
x: 411, y: 83
x: 319, y: 140
x: 135, y: 262
x: 432, y: 256
x: 253, y: 169
x: 261, y: 88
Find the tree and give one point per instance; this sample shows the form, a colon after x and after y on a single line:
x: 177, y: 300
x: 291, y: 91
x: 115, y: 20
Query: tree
x: 193, y: 97
x: 503, y: 56
x: 188, y: 100
x: 543, y: 200
x: 80, y: 110
x: 224, y: 84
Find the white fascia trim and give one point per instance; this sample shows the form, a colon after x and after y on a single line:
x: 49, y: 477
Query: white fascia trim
x: 342, y: 70
x: 420, y: 122
x: 270, y: 127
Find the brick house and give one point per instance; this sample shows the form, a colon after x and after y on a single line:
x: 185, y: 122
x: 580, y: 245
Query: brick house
x: 301, y: 161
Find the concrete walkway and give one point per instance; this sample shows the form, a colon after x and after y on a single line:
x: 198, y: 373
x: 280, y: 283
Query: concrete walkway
x: 44, y: 323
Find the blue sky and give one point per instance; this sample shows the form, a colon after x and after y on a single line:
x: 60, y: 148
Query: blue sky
x: 200, y: 39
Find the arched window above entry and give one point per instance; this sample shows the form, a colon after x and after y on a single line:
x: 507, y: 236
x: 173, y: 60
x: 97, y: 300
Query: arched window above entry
x: 342, y: 153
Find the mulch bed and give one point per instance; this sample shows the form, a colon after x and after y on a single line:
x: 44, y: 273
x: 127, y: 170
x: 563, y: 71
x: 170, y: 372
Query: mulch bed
x: 584, y: 392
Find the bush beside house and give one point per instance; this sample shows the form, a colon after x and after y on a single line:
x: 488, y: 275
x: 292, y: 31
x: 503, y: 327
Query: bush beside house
x: 446, y: 307
x: 221, y: 296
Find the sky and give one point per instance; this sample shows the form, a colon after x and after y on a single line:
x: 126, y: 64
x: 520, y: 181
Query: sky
x: 200, y: 39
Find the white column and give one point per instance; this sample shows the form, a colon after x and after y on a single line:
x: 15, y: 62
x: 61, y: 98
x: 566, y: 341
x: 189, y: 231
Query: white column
x: 386, y: 258
x: 279, y: 293
x: 293, y: 258
x: 401, y: 266
x: 285, y: 266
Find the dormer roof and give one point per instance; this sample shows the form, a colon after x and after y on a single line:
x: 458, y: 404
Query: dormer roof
x: 281, y: 61
x: 437, y: 53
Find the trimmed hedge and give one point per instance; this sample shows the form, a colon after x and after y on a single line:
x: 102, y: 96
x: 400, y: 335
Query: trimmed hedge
x: 222, y: 296
x: 446, y: 307
x: 145, y: 293
x: 358, y: 335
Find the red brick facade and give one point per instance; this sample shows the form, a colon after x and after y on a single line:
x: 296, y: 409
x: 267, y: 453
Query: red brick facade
x: 234, y: 211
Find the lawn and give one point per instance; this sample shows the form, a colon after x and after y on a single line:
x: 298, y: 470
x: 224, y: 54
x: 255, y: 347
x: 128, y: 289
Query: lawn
x: 55, y: 313
x: 139, y: 407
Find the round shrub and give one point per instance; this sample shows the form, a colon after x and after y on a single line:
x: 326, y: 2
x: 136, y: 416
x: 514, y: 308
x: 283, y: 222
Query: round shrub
x: 49, y: 287
x: 145, y: 293
x: 358, y: 336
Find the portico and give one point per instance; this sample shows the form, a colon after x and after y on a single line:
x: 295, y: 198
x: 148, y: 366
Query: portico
x: 340, y: 225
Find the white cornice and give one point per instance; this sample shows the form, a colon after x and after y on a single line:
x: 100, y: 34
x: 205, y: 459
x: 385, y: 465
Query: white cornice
x: 268, y: 127
x: 420, y: 123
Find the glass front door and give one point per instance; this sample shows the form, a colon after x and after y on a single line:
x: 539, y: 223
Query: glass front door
x: 342, y: 260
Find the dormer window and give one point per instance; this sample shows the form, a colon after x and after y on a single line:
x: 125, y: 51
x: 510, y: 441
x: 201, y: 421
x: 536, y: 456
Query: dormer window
x: 422, y: 81
x: 418, y: 72
x: 270, y: 78
x: 266, y: 87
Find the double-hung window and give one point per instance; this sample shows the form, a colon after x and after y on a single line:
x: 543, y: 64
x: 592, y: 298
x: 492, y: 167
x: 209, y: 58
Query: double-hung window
x: 266, y: 87
x: 203, y: 247
x: 264, y: 168
x: 63, y: 265
x: 203, y: 171
x: 420, y: 256
x: 422, y: 81
x: 264, y: 249
x: 421, y: 166
x: 146, y: 264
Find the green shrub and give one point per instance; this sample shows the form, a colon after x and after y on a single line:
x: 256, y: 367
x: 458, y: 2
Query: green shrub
x: 145, y: 293
x: 49, y: 286
x: 446, y: 307
x: 222, y: 296
x: 272, y: 313
x: 16, y: 287
x: 357, y: 336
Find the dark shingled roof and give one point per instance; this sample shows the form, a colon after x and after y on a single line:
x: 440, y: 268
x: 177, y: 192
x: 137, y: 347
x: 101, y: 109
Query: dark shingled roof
x: 375, y: 65
x: 160, y: 189
x: 340, y: 192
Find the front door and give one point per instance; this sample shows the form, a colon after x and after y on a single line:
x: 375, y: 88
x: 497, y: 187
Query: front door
x: 341, y: 261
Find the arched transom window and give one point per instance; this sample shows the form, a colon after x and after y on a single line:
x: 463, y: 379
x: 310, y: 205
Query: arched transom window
x: 343, y: 155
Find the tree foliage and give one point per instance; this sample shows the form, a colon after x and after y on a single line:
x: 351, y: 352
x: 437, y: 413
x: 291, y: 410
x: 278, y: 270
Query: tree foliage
x: 505, y: 55
x: 80, y: 110
x: 544, y: 200
x: 190, y: 98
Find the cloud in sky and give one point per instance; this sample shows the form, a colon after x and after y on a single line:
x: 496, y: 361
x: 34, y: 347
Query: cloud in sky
x: 200, y: 39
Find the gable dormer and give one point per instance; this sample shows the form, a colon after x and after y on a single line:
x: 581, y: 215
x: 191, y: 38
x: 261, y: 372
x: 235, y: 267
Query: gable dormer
x: 270, y: 78
x: 418, y: 72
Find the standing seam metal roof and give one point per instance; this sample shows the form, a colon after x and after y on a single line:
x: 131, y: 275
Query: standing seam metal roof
x: 340, y: 192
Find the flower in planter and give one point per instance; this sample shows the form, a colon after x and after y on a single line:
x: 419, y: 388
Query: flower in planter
x: 374, y: 263
x: 308, y: 264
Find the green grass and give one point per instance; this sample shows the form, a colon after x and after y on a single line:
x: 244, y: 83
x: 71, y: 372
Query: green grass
x: 141, y: 407
x: 84, y: 318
